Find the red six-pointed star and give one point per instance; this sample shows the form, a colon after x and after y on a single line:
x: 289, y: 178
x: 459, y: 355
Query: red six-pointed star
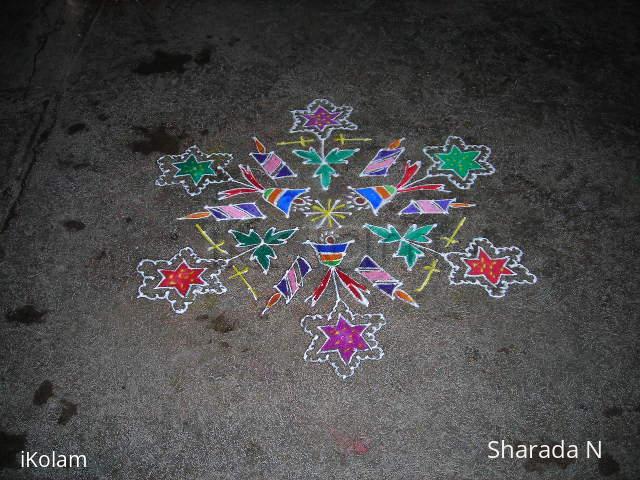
x: 490, y: 268
x: 182, y: 278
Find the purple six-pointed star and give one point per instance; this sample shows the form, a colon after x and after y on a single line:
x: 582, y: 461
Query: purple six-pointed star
x: 321, y: 118
x: 344, y: 338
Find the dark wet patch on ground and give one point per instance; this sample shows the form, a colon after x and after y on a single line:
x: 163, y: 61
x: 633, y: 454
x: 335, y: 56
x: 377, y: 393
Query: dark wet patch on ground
x: 69, y: 409
x: 538, y: 463
x: 203, y: 56
x: 220, y: 323
x: 163, y: 62
x: 43, y: 393
x: 73, y: 225
x: 10, y: 446
x: 157, y: 139
x: 76, y: 127
x: 254, y: 453
x: 607, y: 465
x: 612, y: 412
x: 26, y: 314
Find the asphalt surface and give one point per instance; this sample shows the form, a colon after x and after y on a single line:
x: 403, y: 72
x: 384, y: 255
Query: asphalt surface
x: 92, y: 93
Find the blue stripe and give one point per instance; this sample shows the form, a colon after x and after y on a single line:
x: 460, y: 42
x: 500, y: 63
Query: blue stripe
x: 330, y: 247
x: 284, y: 202
x: 371, y: 196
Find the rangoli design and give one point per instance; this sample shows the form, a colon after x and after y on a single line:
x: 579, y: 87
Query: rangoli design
x: 341, y: 337
x: 461, y: 164
x: 180, y: 279
x: 193, y: 169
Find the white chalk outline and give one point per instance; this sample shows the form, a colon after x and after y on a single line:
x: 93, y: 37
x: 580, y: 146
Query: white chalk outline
x: 167, y: 167
x: 523, y: 275
x: 152, y: 277
x: 333, y: 357
x: 466, y: 183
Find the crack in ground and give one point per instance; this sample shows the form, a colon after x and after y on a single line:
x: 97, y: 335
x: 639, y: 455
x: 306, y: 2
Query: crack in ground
x: 43, y: 39
x: 32, y: 144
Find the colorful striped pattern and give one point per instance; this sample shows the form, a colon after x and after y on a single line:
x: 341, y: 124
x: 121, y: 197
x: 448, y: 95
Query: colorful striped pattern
x: 331, y: 254
x: 433, y: 207
x: 239, y: 211
x: 282, y: 198
x: 380, y: 164
x: 273, y: 165
x: 383, y: 281
x: 427, y: 207
x: 292, y: 280
x: 377, y: 196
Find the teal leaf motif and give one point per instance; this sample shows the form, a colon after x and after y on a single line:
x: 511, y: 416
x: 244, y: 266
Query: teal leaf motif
x: 263, y: 255
x: 410, y: 253
x: 325, y: 172
x: 311, y: 157
x: 272, y: 237
x: 339, y: 157
x: 419, y: 234
x: 250, y: 239
x: 407, y: 250
x: 387, y: 235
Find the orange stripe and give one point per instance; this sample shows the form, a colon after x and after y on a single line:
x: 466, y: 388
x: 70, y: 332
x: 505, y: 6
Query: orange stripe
x: 274, y: 195
x: 383, y: 192
x: 330, y: 256
x: 196, y: 216
x: 274, y: 299
x: 401, y: 294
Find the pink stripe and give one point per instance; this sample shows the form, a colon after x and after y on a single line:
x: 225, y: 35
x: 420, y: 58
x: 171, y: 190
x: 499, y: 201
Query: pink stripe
x: 293, y: 281
x: 376, y: 275
x: 235, y: 212
x: 379, y: 165
x: 428, y: 206
x: 272, y: 164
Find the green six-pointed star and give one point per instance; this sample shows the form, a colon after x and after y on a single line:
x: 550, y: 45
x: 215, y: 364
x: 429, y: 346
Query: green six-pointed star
x: 194, y: 169
x: 461, y: 163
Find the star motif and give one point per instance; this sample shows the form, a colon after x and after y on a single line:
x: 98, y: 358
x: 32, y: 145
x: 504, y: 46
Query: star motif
x: 329, y: 213
x: 490, y: 268
x: 174, y: 280
x: 194, y: 169
x: 344, y: 338
x: 344, y: 343
x: 461, y: 163
x: 493, y: 268
x: 182, y: 278
x: 321, y: 118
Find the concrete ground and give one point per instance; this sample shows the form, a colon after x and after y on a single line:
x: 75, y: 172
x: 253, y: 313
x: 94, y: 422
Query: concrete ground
x: 93, y: 92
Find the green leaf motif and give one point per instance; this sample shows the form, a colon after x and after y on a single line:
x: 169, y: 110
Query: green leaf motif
x: 250, y: 239
x: 263, y: 255
x: 311, y: 157
x: 387, y: 235
x: 337, y: 156
x: 325, y: 172
x: 410, y: 253
x: 272, y: 237
x: 419, y: 234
